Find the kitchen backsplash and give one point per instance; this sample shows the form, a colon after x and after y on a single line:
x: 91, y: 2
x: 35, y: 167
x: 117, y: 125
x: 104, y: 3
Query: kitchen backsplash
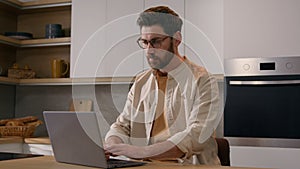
x: 33, y: 100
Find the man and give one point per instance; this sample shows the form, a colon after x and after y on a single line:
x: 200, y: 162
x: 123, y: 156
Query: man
x: 172, y: 109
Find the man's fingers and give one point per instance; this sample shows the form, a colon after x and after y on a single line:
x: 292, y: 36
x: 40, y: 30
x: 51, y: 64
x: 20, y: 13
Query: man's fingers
x: 117, y: 149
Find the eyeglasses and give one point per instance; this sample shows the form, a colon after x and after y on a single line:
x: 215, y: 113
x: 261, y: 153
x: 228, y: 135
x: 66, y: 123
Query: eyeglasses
x: 155, y: 42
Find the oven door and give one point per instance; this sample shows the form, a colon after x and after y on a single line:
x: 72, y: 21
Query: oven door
x: 262, y: 109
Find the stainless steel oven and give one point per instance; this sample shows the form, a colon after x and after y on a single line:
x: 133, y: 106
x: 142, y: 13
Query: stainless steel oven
x: 262, y: 101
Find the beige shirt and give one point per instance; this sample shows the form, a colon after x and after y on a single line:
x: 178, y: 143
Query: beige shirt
x: 192, y: 112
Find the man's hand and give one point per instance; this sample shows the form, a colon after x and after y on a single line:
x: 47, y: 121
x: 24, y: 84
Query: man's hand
x: 159, y: 151
x: 127, y: 150
x: 111, y: 141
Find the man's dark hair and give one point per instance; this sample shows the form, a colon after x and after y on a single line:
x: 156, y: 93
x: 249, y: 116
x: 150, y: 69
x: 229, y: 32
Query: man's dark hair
x: 162, y: 16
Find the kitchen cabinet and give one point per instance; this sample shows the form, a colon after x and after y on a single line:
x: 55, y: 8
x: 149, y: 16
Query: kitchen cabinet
x: 31, y: 17
x: 11, y: 144
x: 204, y: 33
x: 122, y: 55
x: 255, y: 28
x: 87, y: 18
x: 105, y: 44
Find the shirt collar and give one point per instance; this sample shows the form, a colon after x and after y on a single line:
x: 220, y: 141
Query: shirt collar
x: 156, y: 72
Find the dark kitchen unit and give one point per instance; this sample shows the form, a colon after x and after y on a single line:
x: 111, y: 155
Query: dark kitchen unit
x: 262, y: 101
x: 11, y: 156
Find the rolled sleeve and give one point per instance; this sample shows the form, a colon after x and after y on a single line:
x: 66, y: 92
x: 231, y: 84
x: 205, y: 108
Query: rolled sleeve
x: 115, y: 130
x: 184, y: 145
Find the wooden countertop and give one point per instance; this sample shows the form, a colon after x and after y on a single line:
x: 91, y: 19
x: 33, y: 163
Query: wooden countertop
x: 35, y: 140
x: 8, y: 140
x: 48, y: 162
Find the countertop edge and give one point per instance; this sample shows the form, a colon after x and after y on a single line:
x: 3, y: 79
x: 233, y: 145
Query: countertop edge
x: 34, y: 140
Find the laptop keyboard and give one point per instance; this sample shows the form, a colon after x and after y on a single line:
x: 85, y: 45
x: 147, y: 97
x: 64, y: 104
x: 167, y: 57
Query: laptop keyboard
x: 116, y: 163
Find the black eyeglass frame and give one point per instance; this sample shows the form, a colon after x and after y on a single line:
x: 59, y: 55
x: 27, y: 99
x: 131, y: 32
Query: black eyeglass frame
x: 155, y: 42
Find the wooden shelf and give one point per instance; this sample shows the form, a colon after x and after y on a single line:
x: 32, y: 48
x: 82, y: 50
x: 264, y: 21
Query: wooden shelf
x: 46, y: 42
x: 35, y: 42
x: 75, y: 81
x: 38, y: 4
x: 6, y: 80
x: 37, y: 140
x: 66, y: 81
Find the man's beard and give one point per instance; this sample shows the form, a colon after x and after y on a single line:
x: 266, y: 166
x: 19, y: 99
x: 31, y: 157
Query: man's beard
x: 163, y: 62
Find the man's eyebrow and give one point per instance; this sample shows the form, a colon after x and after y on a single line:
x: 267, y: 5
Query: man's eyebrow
x: 152, y: 38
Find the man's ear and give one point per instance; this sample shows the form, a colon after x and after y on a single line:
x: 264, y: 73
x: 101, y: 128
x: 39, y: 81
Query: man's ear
x: 177, y: 37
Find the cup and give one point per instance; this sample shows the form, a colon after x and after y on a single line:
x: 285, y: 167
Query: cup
x: 53, y: 31
x: 59, y: 68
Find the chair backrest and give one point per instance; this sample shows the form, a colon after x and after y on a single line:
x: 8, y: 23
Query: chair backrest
x: 223, y: 151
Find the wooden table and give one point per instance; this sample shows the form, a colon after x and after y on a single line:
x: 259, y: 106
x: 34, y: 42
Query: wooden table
x: 48, y: 162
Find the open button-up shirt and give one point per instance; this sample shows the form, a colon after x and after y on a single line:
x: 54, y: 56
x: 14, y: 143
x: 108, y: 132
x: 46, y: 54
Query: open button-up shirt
x: 192, y: 111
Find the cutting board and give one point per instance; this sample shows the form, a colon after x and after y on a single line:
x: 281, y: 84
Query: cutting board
x: 81, y: 105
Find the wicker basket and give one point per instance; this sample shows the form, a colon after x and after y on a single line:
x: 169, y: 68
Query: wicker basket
x: 22, y: 131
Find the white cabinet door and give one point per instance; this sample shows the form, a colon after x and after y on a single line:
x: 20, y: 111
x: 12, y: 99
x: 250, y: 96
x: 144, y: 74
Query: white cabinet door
x: 178, y: 7
x: 255, y: 28
x: 88, y: 40
x: 11, y: 147
x: 122, y: 57
x: 204, y: 33
x: 104, y: 34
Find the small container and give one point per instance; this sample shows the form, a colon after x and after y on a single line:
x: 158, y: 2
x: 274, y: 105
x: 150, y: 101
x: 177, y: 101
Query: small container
x: 53, y: 31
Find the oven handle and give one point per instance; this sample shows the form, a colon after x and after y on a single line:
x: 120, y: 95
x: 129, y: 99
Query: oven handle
x: 276, y: 82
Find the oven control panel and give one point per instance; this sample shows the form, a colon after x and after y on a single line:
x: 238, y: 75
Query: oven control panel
x: 262, y: 66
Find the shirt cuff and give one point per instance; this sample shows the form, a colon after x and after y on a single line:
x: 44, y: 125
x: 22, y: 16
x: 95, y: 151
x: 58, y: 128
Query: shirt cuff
x: 123, y: 137
x: 183, y: 142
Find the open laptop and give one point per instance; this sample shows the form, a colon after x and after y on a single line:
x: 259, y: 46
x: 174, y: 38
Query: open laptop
x: 76, y: 139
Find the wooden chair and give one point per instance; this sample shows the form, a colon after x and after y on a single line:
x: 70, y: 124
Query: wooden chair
x: 223, y: 151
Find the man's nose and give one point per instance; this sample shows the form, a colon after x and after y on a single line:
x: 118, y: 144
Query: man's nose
x: 149, y: 49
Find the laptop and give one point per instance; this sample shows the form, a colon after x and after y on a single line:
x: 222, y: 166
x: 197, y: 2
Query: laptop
x: 76, y: 139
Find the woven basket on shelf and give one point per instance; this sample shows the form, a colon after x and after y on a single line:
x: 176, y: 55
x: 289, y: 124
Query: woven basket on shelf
x: 22, y: 131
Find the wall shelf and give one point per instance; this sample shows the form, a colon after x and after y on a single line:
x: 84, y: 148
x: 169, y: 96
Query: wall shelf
x: 38, y: 4
x: 66, y: 81
x: 75, y: 81
x: 35, y: 42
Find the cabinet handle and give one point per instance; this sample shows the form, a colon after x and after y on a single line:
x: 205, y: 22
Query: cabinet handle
x: 271, y: 82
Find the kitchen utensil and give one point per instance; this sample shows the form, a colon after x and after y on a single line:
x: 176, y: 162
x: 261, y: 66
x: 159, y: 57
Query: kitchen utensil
x: 59, y: 68
x: 19, y: 35
x: 53, y: 31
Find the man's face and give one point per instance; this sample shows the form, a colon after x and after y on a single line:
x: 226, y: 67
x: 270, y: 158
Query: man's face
x: 158, y: 57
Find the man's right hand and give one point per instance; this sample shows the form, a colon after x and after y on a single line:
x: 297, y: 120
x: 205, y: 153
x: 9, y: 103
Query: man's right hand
x: 110, y: 141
